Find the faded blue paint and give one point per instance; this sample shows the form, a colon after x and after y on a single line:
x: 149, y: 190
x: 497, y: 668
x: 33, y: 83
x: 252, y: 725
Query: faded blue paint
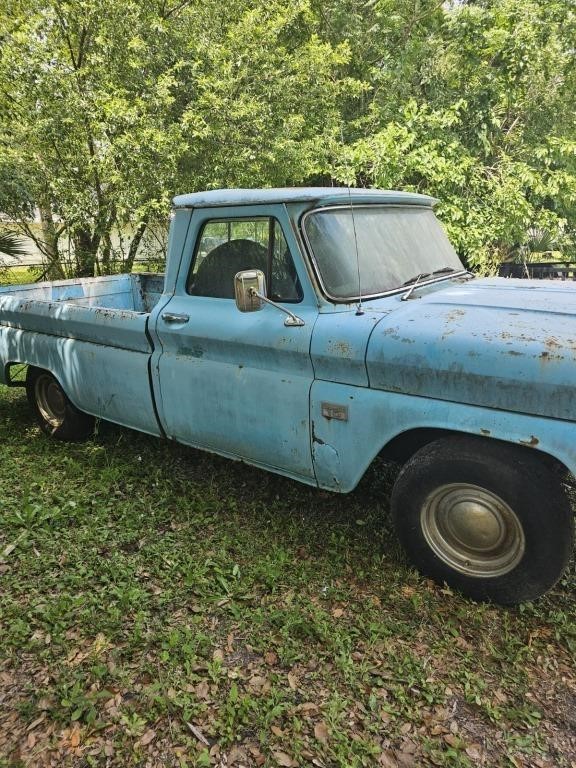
x: 237, y: 383
x: 320, y: 196
x: 486, y: 342
x: 488, y: 357
x: 339, y: 346
x: 376, y: 417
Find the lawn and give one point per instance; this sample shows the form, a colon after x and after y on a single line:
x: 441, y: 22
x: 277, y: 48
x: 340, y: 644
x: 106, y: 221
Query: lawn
x: 163, y: 607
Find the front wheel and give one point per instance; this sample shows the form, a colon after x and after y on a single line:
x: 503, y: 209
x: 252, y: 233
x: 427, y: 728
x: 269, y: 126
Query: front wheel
x: 487, y: 518
x: 56, y: 415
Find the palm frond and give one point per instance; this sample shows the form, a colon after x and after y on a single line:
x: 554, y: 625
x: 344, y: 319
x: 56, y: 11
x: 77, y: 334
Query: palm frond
x: 11, y: 244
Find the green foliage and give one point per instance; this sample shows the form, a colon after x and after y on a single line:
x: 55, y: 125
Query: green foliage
x: 108, y: 108
x: 11, y: 244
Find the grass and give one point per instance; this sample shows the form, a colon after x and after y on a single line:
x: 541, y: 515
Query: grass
x: 18, y: 275
x: 163, y: 607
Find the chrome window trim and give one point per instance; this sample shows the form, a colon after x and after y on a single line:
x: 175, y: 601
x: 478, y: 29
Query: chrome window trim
x: 352, y: 299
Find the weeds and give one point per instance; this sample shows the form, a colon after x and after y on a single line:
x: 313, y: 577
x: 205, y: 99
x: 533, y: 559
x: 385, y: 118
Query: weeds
x: 161, y: 606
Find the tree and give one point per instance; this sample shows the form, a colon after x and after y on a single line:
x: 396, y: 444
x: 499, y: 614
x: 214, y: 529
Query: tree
x: 112, y: 106
x: 474, y: 104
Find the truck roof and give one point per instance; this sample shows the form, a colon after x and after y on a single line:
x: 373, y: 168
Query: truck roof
x: 319, y: 195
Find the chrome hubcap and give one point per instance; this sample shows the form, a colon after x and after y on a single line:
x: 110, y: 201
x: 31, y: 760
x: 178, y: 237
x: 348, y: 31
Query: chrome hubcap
x: 50, y: 399
x: 472, y: 530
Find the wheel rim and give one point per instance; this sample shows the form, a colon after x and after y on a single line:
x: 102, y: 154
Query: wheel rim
x: 50, y: 399
x: 472, y: 530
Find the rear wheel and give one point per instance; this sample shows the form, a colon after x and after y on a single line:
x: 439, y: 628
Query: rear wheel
x: 487, y: 518
x: 57, y: 416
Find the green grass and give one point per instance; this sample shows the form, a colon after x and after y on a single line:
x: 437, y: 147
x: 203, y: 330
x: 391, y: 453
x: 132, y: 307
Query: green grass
x: 18, y: 275
x: 146, y: 586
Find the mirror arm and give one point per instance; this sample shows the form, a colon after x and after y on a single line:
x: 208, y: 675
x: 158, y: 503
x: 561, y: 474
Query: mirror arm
x: 291, y: 320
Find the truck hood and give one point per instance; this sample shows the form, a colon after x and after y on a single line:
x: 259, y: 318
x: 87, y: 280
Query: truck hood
x: 499, y: 343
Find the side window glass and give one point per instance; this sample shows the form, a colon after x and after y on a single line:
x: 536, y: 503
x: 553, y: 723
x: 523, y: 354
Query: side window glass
x: 284, y: 283
x: 227, y: 247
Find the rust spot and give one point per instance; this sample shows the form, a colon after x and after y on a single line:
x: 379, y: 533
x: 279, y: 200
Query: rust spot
x: 552, y: 343
x: 546, y: 356
x: 340, y: 348
x: 315, y: 438
x: 532, y: 443
x: 454, y: 315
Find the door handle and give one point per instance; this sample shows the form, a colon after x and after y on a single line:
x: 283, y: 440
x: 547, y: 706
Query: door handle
x: 169, y: 317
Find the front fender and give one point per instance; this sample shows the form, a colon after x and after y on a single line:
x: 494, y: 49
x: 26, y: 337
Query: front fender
x: 357, y: 423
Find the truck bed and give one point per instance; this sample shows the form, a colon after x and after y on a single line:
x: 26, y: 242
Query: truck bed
x: 92, y: 334
x: 111, y: 310
x: 138, y: 292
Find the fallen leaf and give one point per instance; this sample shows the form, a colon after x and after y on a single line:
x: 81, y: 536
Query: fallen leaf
x: 198, y: 733
x: 8, y: 550
x: 75, y: 736
x: 149, y: 736
x: 338, y: 613
x: 271, y: 658
x: 292, y: 681
x: 236, y: 754
x: 284, y: 760
x: 202, y: 690
x: 321, y: 732
x: 387, y: 759
x: 277, y: 731
x: 474, y: 752
x: 36, y: 722
x: 218, y: 655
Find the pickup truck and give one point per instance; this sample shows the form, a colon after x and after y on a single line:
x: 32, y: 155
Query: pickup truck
x: 311, y: 331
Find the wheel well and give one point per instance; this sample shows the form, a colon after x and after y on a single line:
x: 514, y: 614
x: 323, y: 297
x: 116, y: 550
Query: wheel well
x: 406, y: 444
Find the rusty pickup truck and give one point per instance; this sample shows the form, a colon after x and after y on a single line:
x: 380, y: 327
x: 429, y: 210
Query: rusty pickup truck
x: 309, y: 332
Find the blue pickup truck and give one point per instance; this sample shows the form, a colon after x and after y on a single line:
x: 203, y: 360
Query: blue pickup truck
x: 309, y: 332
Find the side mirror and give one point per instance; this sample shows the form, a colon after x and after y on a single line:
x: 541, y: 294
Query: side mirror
x: 247, y: 285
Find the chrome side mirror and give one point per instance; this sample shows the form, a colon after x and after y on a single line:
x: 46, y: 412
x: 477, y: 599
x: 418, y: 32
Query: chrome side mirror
x: 247, y: 287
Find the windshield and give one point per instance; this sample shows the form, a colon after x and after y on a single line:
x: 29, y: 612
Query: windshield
x: 395, y: 245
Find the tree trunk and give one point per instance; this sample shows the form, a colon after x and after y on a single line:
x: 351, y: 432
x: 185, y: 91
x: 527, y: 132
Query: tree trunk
x: 134, y: 245
x: 55, y: 269
x: 84, y: 253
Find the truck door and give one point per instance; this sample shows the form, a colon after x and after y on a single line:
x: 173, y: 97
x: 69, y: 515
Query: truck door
x: 232, y: 382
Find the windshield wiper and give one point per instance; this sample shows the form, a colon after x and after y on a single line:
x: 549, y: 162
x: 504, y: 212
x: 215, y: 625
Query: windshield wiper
x: 413, y: 282
x: 444, y: 271
x: 416, y: 279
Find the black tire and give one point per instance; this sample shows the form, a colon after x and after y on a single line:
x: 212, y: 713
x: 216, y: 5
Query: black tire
x: 487, y: 518
x: 55, y: 414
